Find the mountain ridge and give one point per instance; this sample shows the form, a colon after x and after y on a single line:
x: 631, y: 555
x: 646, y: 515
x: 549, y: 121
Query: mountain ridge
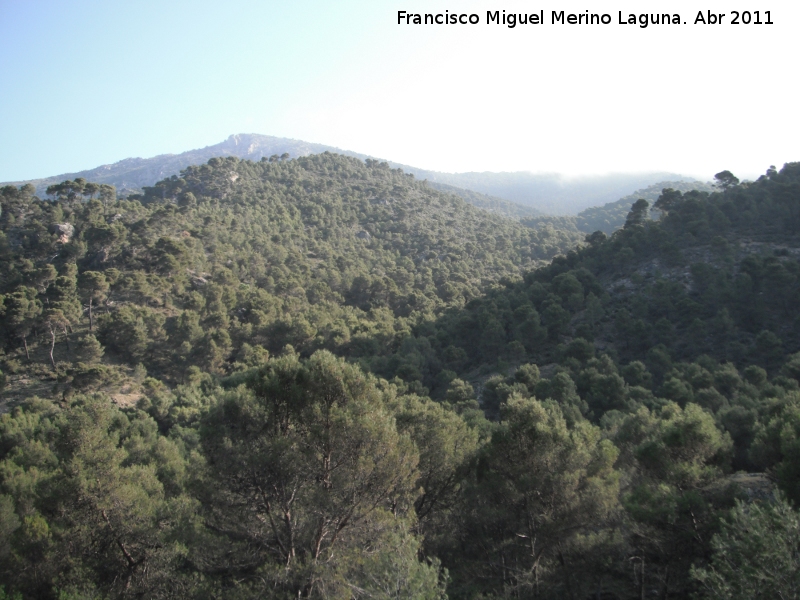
x: 545, y: 192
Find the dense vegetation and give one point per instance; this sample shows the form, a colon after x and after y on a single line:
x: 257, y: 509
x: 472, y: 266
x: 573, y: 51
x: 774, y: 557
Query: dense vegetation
x: 321, y: 378
x: 489, y: 203
x: 319, y: 252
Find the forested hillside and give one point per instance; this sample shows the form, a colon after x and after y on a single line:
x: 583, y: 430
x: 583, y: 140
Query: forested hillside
x: 319, y: 252
x: 488, y: 203
x: 322, y: 378
x: 611, y: 216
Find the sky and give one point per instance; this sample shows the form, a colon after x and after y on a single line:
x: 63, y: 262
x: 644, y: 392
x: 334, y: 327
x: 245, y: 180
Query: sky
x: 85, y: 83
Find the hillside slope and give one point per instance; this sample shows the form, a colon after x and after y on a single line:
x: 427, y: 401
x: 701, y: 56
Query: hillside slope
x: 716, y: 275
x: 611, y: 216
x: 489, y: 203
x: 323, y: 251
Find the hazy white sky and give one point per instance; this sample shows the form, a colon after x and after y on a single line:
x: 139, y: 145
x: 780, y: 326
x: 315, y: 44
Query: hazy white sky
x: 86, y: 83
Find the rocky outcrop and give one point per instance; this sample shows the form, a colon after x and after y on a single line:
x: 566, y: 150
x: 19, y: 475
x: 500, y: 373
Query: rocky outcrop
x: 64, y: 231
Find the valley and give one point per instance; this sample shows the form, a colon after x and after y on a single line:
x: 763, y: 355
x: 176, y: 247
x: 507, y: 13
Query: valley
x: 316, y: 375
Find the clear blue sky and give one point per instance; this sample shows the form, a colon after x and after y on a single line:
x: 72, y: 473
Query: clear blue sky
x: 86, y: 83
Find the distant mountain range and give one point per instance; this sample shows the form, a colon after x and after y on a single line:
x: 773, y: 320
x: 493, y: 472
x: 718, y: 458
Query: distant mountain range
x: 514, y: 194
x: 132, y: 174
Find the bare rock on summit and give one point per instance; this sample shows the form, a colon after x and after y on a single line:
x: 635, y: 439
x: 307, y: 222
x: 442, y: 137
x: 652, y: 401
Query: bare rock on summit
x: 130, y: 175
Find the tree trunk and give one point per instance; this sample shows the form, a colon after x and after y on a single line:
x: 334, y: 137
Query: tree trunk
x: 25, y: 343
x: 91, y: 320
x: 66, y: 338
x: 641, y: 582
x: 52, y: 346
x: 567, y: 582
x: 665, y: 588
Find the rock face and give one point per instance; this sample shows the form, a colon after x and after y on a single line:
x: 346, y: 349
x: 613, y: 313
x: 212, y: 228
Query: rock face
x: 64, y: 231
x: 363, y: 235
x: 752, y: 487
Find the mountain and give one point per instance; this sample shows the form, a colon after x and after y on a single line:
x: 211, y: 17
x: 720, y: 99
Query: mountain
x: 132, y: 174
x: 539, y: 193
